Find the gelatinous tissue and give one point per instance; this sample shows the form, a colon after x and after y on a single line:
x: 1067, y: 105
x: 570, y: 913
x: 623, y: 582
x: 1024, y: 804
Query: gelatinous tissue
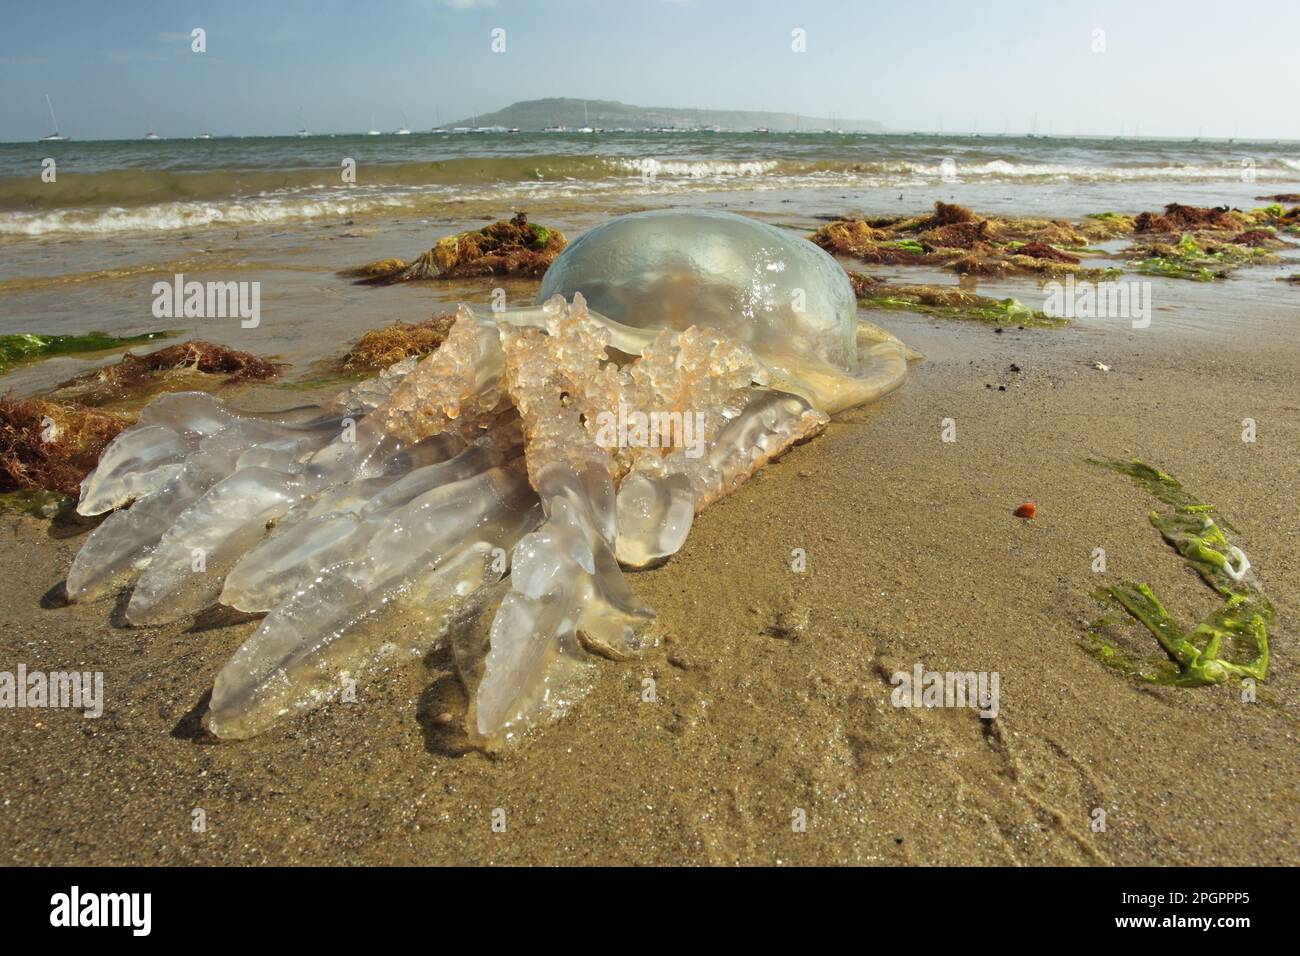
x: 508, y: 478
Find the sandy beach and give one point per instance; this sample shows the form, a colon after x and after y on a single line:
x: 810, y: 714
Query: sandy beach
x: 772, y: 687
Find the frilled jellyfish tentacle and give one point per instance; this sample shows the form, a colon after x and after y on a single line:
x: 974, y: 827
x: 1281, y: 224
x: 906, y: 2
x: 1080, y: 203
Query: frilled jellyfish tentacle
x: 658, y: 499
x: 566, y: 587
x: 436, y: 547
x: 214, y: 441
x: 700, y: 383
x: 406, y: 487
x: 567, y: 590
x: 332, y: 528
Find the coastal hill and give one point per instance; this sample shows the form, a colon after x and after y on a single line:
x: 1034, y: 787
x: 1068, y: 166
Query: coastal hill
x: 609, y: 114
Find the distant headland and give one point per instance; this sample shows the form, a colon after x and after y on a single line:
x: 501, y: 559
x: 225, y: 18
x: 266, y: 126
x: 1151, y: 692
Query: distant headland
x: 576, y: 114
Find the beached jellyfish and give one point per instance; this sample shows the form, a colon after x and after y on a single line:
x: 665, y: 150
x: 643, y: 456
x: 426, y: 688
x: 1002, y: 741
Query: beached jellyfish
x: 498, y: 486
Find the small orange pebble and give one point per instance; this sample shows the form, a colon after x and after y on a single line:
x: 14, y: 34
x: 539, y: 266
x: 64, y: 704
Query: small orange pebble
x: 1027, y: 510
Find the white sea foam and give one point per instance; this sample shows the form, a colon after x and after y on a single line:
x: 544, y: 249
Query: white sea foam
x: 696, y: 169
x: 1002, y: 170
x: 640, y: 176
x: 186, y: 215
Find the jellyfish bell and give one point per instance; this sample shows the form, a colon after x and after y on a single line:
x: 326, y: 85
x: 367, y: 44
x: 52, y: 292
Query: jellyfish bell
x: 778, y: 293
x: 676, y: 268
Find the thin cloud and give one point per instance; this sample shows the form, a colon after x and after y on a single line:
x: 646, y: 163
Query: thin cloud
x: 22, y: 60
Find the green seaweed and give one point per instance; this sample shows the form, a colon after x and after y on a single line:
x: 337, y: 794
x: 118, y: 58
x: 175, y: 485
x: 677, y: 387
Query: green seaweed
x: 906, y: 245
x: 31, y: 346
x: 1174, y: 269
x: 1166, y: 488
x: 1007, y: 311
x: 541, y: 235
x: 1189, y: 260
x: 1141, y: 667
x: 1232, y: 641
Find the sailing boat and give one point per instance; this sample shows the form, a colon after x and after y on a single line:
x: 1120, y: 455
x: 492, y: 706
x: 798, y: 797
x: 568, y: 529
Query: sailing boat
x: 586, y: 123
x: 151, y: 134
x: 372, y: 131
x: 53, y: 137
x: 403, y: 130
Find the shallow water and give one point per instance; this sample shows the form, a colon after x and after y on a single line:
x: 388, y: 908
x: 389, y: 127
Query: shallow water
x: 114, y: 186
x: 83, y: 254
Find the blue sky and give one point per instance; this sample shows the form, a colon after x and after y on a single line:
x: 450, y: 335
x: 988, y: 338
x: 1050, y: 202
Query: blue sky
x: 114, y: 69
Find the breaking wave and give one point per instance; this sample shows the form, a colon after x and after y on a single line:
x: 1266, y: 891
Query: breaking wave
x: 122, y: 200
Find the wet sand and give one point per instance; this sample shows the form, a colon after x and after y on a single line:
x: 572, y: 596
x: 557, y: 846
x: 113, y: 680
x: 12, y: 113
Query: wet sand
x: 772, y: 686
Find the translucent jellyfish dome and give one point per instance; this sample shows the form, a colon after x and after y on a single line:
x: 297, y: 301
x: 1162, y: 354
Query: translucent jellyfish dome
x: 675, y: 268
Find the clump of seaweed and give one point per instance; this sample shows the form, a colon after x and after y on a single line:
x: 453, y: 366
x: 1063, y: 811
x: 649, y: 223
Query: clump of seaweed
x: 1041, y: 250
x: 49, y: 447
x: 1233, y: 640
x: 1191, y: 242
x: 1178, y: 218
x: 140, y: 375
x: 947, y: 214
x: 31, y: 346
x: 958, y: 235
x: 1276, y: 218
x: 954, y: 237
x: 1052, y: 232
x: 847, y: 237
x: 49, y: 444
x: 376, y: 271
x: 1258, y: 239
x: 1014, y: 262
x: 380, y: 348
x: 863, y: 284
x: 506, y: 247
x: 951, y: 303
x: 1102, y: 226
x: 1195, y: 242
x: 859, y: 240
x: 1189, y: 259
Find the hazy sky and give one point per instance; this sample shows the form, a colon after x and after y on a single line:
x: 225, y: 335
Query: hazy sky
x: 115, y: 69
